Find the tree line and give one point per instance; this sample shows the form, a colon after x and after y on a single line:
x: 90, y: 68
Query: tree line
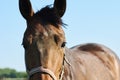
x: 11, y: 73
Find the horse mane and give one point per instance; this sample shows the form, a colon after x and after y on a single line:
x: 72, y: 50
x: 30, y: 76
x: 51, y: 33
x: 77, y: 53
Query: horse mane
x: 47, y: 15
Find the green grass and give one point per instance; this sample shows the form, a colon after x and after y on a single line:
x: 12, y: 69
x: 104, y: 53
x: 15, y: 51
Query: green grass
x: 13, y: 79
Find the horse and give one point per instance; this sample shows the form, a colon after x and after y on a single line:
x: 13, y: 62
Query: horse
x: 48, y: 58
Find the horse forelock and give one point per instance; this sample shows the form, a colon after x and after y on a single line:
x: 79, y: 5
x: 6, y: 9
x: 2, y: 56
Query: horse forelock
x: 48, y: 15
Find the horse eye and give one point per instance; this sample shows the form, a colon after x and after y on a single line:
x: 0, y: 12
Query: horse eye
x: 63, y: 44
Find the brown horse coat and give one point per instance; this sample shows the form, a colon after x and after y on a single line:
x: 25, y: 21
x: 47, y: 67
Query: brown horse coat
x: 91, y: 62
x: 46, y: 56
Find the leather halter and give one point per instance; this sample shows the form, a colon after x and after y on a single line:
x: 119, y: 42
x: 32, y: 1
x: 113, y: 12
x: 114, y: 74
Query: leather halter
x: 42, y: 70
x: 45, y: 71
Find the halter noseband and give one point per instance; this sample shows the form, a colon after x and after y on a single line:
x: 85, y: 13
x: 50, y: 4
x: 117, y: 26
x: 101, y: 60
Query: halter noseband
x: 45, y: 71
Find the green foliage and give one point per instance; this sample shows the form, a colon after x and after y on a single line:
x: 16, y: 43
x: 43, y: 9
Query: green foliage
x: 14, y: 79
x: 11, y: 73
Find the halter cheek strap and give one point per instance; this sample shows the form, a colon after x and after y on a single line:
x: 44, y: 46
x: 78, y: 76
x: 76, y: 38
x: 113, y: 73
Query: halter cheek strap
x: 42, y: 70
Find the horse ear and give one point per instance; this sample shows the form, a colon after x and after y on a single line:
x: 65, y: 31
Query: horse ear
x: 60, y: 7
x: 25, y: 8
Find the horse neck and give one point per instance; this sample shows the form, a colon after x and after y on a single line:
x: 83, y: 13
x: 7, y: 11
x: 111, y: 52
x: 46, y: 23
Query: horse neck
x: 67, y: 65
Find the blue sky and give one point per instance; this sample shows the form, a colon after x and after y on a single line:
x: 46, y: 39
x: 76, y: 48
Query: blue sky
x: 96, y: 21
